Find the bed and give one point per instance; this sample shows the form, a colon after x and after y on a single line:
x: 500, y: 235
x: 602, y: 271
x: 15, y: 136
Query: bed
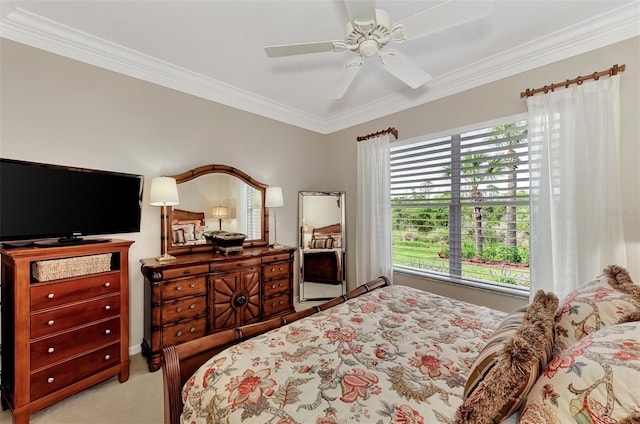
x: 393, y: 354
x: 323, y: 256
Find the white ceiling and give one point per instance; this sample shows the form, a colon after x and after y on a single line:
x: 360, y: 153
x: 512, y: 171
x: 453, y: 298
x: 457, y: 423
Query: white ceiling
x: 215, y: 49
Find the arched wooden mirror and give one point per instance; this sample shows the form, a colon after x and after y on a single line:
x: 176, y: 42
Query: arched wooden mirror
x: 212, y: 198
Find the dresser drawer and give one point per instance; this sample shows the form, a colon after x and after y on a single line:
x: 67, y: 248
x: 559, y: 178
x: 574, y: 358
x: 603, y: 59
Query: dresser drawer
x: 48, y: 380
x: 276, y: 304
x: 48, y: 295
x: 65, y: 318
x: 279, y: 269
x: 183, y: 332
x: 235, y: 265
x: 276, y: 258
x: 183, y: 309
x: 168, y: 274
x: 53, y: 349
x: 272, y: 287
x: 184, y: 287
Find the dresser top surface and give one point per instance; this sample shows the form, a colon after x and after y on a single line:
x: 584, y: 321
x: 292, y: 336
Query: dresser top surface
x: 195, y: 258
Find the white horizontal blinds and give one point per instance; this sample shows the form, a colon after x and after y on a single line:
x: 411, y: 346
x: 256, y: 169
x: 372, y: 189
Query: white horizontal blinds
x: 462, y: 199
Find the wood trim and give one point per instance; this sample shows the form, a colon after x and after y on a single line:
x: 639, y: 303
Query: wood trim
x: 180, y: 362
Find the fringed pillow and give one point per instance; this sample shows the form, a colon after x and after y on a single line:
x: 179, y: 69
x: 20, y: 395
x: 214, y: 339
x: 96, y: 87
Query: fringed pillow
x: 594, y: 381
x: 510, y: 363
x: 608, y: 300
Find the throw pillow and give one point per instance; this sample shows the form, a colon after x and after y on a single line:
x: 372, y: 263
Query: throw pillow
x: 593, y: 381
x: 608, y: 300
x: 510, y: 363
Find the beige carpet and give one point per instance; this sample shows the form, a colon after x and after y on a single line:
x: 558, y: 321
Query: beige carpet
x: 137, y: 401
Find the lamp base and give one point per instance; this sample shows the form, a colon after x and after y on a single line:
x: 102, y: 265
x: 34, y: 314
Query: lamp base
x: 276, y: 245
x: 165, y: 258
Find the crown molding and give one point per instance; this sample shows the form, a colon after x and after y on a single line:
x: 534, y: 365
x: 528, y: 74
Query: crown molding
x: 27, y: 28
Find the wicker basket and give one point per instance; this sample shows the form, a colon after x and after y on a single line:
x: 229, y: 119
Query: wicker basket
x: 55, y: 269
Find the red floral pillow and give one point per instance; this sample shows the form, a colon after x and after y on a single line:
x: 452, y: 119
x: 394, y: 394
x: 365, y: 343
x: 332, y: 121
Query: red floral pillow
x: 608, y: 300
x: 594, y: 381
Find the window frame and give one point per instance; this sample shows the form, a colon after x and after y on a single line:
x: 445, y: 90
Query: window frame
x: 467, y: 282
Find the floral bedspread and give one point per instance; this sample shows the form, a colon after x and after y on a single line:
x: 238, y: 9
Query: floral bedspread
x: 395, y: 355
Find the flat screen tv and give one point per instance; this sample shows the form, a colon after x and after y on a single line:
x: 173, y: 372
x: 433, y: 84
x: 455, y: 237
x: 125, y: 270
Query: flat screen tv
x: 52, y: 204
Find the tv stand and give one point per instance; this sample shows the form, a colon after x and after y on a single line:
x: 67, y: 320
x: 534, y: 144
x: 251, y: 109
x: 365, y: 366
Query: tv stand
x: 61, y: 335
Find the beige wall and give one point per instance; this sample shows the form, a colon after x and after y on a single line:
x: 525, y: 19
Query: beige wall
x: 57, y: 110
x: 502, y: 99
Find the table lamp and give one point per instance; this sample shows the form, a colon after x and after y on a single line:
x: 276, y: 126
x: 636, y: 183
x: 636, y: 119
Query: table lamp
x: 273, y: 199
x: 164, y: 192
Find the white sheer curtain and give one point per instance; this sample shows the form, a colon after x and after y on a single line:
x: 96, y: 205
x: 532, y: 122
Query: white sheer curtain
x: 373, y: 209
x: 576, y: 227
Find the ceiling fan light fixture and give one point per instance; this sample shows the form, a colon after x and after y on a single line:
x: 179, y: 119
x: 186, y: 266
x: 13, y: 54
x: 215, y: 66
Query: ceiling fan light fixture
x: 368, y: 48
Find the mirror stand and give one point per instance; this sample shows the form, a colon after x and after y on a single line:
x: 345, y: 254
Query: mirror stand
x: 322, y: 246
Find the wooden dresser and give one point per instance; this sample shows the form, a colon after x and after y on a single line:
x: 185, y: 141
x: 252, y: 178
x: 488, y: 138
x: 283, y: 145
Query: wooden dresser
x: 65, y: 322
x: 201, y: 293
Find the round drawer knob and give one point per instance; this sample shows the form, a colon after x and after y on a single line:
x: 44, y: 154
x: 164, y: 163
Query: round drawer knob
x: 192, y: 306
x: 50, y: 380
x: 273, y: 269
x: 280, y: 285
x: 107, y: 284
x: 107, y: 357
x: 280, y: 269
x: 50, y: 322
x: 192, y: 285
x: 281, y: 302
x: 273, y: 286
x: 178, y: 309
x: 241, y: 300
x: 107, y: 331
x: 50, y: 350
x: 107, y: 307
x: 179, y: 288
x: 192, y: 330
x: 179, y: 334
x: 51, y: 296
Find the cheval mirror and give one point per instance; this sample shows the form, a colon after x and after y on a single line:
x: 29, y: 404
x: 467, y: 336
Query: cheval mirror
x: 322, y: 247
x: 213, y: 198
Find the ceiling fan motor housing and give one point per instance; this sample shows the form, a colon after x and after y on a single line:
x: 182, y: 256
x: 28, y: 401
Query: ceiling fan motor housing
x: 367, y: 38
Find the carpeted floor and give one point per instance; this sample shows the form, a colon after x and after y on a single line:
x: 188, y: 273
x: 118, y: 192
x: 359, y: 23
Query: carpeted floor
x: 137, y: 401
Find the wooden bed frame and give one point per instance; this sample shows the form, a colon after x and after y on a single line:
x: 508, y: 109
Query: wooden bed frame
x: 180, y: 362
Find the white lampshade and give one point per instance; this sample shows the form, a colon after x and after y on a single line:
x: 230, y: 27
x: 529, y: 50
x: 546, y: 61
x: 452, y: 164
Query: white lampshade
x: 220, y: 212
x: 164, y: 192
x: 273, y: 197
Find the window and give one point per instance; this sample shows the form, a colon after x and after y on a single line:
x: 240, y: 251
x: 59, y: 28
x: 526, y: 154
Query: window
x: 460, y: 206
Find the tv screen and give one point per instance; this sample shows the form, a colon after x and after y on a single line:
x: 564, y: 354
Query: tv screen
x: 42, y: 201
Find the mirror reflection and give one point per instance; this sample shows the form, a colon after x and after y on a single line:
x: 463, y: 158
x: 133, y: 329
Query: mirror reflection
x: 216, y: 198
x: 322, y: 245
x: 229, y: 204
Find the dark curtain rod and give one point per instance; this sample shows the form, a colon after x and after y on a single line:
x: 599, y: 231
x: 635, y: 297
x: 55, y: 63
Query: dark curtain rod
x: 578, y: 80
x: 393, y: 131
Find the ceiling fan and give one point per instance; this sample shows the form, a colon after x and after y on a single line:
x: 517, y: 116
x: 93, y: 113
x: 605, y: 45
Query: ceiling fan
x: 369, y: 30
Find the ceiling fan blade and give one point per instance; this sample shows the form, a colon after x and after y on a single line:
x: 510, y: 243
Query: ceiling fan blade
x: 402, y: 68
x: 443, y: 16
x: 304, y: 48
x: 347, y: 76
x: 361, y: 11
